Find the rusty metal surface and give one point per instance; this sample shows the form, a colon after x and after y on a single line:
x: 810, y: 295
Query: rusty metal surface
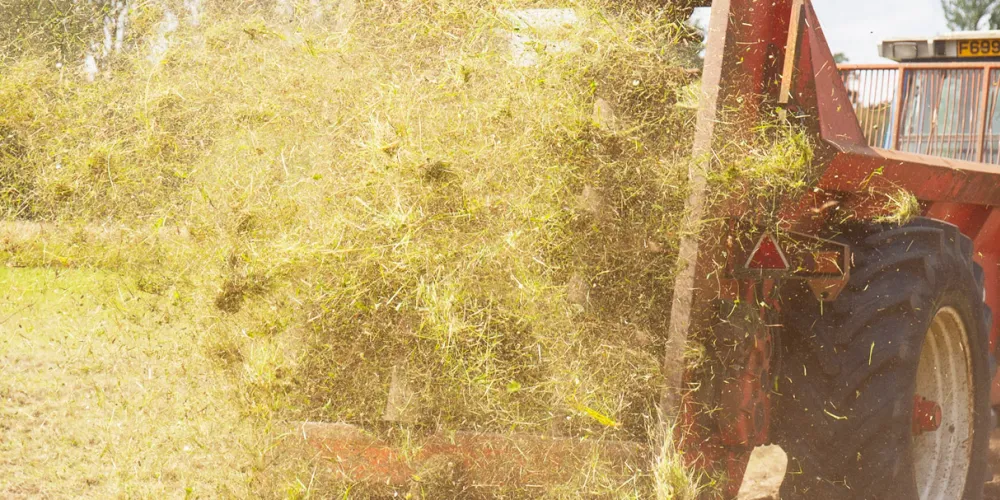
x: 743, y: 64
x: 719, y: 41
x: 745, y: 408
x: 476, y: 459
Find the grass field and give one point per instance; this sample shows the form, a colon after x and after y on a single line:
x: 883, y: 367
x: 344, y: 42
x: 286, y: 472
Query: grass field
x: 106, y: 392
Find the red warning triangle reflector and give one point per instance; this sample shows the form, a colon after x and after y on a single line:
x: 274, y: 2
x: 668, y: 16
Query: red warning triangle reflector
x: 767, y: 255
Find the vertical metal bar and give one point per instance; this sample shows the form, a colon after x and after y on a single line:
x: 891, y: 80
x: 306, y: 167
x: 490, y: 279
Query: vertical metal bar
x: 886, y: 100
x: 952, y: 80
x: 927, y: 92
x: 970, y: 112
x: 994, y: 146
x: 900, y: 104
x: 876, y: 104
x: 885, y: 104
x: 937, y: 129
x: 945, y: 132
x: 935, y: 109
x: 870, y: 101
x: 955, y: 86
x: 958, y: 135
x: 986, y: 126
x: 936, y: 116
x: 928, y: 109
x: 864, y: 91
x: 956, y: 131
x: 984, y: 102
x: 991, y: 99
x: 890, y: 103
x: 873, y: 100
x: 987, y: 156
x: 921, y: 93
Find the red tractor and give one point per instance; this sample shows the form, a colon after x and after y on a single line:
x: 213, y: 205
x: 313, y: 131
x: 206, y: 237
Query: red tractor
x: 864, y: 348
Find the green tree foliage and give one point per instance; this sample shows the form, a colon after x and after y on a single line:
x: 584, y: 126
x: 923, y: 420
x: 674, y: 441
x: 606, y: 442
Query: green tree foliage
x: 971, y: 15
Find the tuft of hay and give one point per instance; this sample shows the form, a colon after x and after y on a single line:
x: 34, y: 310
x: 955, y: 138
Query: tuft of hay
x: 900, y: 207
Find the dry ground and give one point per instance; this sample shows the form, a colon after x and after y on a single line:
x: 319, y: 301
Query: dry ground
x: 105, y: 395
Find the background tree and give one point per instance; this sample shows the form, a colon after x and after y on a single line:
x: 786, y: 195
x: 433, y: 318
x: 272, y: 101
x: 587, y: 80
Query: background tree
x: 969, y: 15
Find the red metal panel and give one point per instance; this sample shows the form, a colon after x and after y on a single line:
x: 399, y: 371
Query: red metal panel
x: 986, y: 239
x: 819, y: 89
x: 968, y: 218
x: 855, y: 167
x: 487, y: 460
x: 991, y: 271
x: 990, y: 261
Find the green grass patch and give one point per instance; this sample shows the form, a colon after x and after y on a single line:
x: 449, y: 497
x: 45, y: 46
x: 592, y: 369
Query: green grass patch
x: 108, y: 393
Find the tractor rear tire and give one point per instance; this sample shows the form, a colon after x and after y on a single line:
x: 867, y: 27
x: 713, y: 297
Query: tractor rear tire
x: 850, y: 371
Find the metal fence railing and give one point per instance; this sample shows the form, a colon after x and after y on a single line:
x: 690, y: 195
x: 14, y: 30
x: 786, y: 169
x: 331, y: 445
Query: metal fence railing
x: 940, y: 109
x: 991, y: 139
x: 873, y: 91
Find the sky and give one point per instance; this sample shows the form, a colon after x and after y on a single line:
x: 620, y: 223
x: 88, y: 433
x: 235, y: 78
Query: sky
x: 855, y: 27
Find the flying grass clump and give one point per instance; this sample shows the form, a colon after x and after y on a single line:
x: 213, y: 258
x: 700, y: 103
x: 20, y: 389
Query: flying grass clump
x: 899, y: 208
x: 765, y: 170
x: 397, y: 223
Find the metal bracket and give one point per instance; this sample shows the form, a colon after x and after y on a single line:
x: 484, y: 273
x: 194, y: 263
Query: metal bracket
x: 824, y: 264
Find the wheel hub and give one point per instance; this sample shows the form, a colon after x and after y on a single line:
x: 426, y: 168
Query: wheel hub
x: 943, y: 409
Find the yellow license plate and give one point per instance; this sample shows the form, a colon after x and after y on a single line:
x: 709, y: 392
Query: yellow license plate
x: 978, y: 48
